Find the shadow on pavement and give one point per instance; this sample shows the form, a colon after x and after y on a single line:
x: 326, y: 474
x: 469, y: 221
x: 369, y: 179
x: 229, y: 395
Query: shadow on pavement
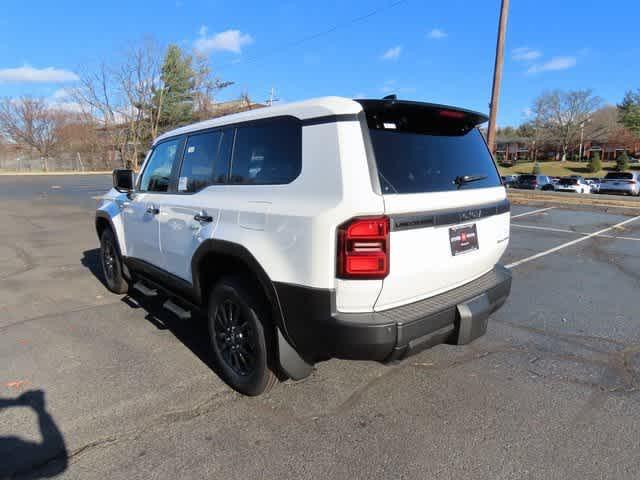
x: 192, y: 333
x: 21, y: 458
x: 91, y: 261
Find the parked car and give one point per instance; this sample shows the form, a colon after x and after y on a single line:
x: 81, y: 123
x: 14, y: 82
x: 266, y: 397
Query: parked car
x: 573, y: 184
x: 509, y: 180
x: 624, y: 183
x: 594, y: 182
x: 534, y: 182
x: 313, y: 230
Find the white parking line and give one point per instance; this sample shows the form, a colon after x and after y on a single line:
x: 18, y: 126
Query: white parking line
x: 532, y: 212
x: 547, y: 229
x: 563, y: 230
x: 573, y: 242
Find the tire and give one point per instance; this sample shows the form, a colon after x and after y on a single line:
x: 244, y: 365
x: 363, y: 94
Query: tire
x: 111, y: 263
x: 241, y: 336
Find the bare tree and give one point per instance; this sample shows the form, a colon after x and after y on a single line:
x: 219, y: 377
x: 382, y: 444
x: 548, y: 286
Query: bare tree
x: 97, y: 96
x: 31, y: 122
x: 205, y: 87
x: 139, y: 82
x: 561, y: 114
x: 602, y: 124
x: 126, y: 99
x: 130, y: 98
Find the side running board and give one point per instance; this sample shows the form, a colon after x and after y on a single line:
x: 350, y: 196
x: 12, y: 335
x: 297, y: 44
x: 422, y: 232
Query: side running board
x: 177, y: 310
x: 146, y: 291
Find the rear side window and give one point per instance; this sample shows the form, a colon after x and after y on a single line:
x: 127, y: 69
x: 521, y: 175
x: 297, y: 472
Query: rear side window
x: 416, y: 162
x: 157, y: 174
x: 267, y: 153
x: 206, y: 160
x: 202, y: 165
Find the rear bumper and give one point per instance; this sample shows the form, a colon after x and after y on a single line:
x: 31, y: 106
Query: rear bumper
x: 458, y: 316
x: 619, y: 190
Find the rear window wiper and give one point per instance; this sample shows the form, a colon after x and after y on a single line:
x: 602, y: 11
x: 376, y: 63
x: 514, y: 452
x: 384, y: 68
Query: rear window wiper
x: 464, y: 179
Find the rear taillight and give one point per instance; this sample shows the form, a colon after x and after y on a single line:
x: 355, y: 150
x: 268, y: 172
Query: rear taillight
x: 363, y: 248
x: 534, y: 183
x: 632, y: 182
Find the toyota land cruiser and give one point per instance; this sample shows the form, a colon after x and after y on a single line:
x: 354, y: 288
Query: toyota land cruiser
x: 356, y: 229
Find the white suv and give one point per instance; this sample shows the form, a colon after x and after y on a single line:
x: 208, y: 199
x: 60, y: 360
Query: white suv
x: 365, y: 229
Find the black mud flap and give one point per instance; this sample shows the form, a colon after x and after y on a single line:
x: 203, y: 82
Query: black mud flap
x: 290, y: 361
x: 472, y: 320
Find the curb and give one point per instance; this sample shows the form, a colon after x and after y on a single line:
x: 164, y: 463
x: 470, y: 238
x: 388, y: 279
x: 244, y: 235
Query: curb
x: 53, y: 174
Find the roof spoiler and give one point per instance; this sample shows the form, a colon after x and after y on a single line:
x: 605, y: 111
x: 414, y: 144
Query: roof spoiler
x: 420, y: 117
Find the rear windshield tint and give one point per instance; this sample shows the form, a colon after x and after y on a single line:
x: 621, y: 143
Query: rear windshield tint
x: 568, y: 181
x: 527, y: 178
x: 620, y: 175
x: 421, y: 147
x: 419, y: 163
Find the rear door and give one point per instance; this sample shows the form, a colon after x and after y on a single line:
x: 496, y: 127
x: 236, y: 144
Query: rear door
x: 442, y: 192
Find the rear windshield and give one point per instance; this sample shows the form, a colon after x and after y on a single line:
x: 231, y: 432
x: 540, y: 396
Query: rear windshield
x: 620, y: 175
x: 568, y: 181
x: 527, y: 178
x: 422, y: 148
x: 416, y: 163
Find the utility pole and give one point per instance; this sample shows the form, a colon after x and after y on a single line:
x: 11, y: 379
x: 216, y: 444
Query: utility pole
x: 581, y: 141
x: 497, y: 75
x: 272, y: 97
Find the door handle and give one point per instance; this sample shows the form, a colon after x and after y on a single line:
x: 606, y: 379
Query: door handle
x: 202, y: 218
x: 153, y: 210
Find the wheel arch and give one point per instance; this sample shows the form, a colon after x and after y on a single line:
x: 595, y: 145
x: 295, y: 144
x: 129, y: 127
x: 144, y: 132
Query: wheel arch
x: 230, y: 258
x: 227, y: 258
x: 103, y: 221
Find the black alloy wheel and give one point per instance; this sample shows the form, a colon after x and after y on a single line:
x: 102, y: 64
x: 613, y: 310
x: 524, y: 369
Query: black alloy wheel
x: 235, y: 338
x: 241, y: 335
x: 112, y: 263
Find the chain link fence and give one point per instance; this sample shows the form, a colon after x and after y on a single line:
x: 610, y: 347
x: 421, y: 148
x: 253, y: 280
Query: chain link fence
x: 66, y: 162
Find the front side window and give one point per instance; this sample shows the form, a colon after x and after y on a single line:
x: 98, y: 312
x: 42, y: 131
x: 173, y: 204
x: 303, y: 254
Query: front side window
x: 157, y: 174
x: 268, y: 153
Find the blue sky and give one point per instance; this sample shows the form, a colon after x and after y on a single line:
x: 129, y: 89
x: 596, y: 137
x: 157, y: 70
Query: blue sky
x: 434, y: 51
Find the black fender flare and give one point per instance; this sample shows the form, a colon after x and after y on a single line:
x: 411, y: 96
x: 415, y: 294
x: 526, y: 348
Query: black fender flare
x: 231, y: 249
x: 290, y: 361
x: 102, y: 215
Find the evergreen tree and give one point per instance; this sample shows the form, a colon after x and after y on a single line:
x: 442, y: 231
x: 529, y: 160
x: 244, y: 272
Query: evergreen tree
x: 629, y: 111
x: 175, y: 99
x: 622, y: 162
x: 595, y: 165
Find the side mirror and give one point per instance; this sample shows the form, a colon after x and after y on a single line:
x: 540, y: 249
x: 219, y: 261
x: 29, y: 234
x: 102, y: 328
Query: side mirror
x: 123, y: 180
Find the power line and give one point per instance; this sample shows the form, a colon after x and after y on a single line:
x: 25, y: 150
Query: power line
x: 314, y: 36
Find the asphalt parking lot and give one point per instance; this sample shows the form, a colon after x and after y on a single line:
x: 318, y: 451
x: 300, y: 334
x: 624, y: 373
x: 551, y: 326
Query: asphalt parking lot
x: 95, y: 385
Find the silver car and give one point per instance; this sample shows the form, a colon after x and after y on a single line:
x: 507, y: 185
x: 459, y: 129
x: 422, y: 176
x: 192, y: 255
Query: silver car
x: 573, y: 185
x: 624, y: 183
